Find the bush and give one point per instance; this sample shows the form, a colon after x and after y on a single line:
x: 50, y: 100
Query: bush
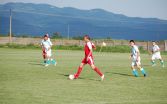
x: 77, y: 37
x: 120, y: 49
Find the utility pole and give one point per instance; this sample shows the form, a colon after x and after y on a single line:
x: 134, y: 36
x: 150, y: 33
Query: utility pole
x: 68, y: 28
x: 10, y: 34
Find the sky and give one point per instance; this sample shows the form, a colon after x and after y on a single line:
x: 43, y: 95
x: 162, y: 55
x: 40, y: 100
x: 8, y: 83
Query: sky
x: 132, y: 8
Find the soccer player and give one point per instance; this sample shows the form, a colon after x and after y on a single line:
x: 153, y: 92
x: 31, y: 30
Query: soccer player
x: 135, y: 56
x: 88, y: 59
x: 156, y: 54
x: 46, y: 47
x: 43, y: 49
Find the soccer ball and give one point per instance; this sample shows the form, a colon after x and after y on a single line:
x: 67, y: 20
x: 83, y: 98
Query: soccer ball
x: 104, y: 44
x: 71, y: 77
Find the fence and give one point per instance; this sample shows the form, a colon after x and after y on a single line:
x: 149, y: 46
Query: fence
x: 146, y: 45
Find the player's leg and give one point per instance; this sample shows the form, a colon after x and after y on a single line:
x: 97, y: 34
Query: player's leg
x: 97, y: 71
x: 161, y: 60
x: 47, y: 61
x: 153, y: 60
x: 141, y: 69
x: 44, y: 58
x: 134, y: 71
x: 76, y: 75
x: 91, y: 63
x: 52, y: 61
x: 44, y: 55
x: 48, y: 55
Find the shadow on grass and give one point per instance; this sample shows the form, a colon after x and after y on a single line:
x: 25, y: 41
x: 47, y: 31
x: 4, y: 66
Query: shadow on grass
x: 122, y: 74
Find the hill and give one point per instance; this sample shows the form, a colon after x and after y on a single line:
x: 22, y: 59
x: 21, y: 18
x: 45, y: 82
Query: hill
x: 38, y: 19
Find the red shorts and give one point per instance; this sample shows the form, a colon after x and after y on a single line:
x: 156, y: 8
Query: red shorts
x: 90, y: 61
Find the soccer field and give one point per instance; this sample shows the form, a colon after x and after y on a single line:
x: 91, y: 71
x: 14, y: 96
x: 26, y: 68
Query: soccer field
x: 25, y: 80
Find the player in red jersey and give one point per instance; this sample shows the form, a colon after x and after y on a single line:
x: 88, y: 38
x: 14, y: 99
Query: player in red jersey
x: 88, y: 59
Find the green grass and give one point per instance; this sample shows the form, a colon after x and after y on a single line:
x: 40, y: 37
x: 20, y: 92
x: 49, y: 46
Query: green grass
x: 24, y: 80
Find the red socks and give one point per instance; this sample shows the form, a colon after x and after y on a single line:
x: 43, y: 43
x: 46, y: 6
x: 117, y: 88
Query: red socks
x: 80, y: 69
x: 98, y: 71
x: 78, y: 72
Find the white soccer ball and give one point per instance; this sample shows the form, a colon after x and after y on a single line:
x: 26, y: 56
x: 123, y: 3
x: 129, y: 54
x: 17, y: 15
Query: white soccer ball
x: 104, y: 44
x: 71, y: 77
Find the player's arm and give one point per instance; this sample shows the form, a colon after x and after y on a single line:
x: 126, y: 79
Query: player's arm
x: 157, y: 49
x: 42, y: 46
x: 150, y: 52
x: 138, y: 53
x: 90, y: 48
x: 93, y: 46
x: 89, y: 54
x: 50, y: 43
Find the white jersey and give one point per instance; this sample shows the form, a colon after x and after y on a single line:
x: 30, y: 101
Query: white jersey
x: 156, y: 53
x: 134, y: 50
x: 46, y: 44
x: 155, y: 49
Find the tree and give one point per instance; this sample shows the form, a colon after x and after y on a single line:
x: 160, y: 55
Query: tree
x: 77, y: 37
x: 57, y: 35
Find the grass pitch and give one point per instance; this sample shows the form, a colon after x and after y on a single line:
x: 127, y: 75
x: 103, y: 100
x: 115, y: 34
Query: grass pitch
x: 24, y: 79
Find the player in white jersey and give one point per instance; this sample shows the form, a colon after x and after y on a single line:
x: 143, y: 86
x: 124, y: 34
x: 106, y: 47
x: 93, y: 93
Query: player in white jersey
x: 156, y: 54
x: 47, y: 51
x: 135, y: 56
x: 43, y: 49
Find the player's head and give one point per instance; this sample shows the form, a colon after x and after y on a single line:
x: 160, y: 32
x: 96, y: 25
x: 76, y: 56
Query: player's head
x: 153, y: 43
x: 45, y: 37
x: 86, y: 38
x: 131, y: 42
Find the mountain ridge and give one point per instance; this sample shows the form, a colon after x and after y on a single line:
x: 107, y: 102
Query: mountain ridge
x: 96, y: 22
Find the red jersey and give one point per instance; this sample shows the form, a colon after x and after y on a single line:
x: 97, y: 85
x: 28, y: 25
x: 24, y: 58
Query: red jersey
x: 88, y: 48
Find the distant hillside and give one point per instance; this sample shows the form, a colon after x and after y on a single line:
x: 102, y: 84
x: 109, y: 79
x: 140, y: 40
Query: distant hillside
x: 38, y: 19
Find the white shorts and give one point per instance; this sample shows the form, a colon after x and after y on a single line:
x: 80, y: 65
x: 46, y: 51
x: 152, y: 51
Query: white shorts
x: 135, y: 62
x: 156, y: 56
x: 49, y: 53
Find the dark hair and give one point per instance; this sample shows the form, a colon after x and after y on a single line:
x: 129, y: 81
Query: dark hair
x: 132, y: 41
x: 87, y: 36
x: 45, y: 36
x: 153, y: 41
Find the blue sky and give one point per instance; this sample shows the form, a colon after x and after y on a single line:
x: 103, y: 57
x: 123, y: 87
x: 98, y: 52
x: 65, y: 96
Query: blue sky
x: 132, y: 8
